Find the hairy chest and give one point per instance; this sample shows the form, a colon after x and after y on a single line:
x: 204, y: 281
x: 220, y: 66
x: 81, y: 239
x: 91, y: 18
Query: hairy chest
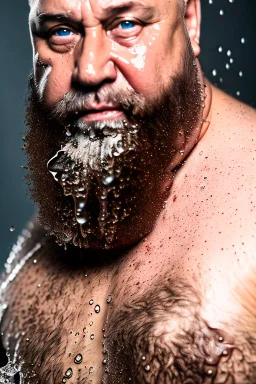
x: 158, y: 337
x: 134, y: 324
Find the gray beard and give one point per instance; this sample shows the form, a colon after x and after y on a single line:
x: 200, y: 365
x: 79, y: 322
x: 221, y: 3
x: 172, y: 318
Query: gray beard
x: 94, y: 158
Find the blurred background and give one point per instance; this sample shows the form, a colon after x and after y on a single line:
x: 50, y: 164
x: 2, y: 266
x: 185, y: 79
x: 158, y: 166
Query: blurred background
x: 228, y: 58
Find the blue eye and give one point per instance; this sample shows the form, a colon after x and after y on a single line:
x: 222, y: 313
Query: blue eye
x: 63, y: 32
x: 127, y: 24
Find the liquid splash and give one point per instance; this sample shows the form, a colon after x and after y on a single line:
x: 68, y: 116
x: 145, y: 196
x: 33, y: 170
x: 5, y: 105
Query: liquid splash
x: 91, y: 161
x: 9, y: 371
x: 13, y: 266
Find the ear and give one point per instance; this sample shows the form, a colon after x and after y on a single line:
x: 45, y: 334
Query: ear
x: 193, y: 21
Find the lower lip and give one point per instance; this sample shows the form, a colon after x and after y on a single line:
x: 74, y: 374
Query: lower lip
x: 102, y: 115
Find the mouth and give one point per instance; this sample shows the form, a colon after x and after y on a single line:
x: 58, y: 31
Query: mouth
x: 102, y: 114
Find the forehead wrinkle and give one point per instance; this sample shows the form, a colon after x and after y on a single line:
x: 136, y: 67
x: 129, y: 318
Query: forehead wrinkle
x: 112, y: 4
x: 104, y: 8
x: 91, y: 12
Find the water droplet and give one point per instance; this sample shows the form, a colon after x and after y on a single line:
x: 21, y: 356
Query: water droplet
x: 209, y: 372
x: 221, y: 339
x: 64, y: 380
x: 240, y: 73
x: 108, y: 180
x: 182, y: 151
x: 91, y: 323
x: 221, y: 80
x: 220, y: 49
x: 90, y: 370
x: 97, y: 308
x: 81, y: 220
x: 35, y: 261
x: 12, y: 228
x: 147, y: 368
x: 91, y: 302
x: 229, y: 52
x: 231, y: 1
x: 27, y: 339
x: 214, y: 72
x: 227, y: 66
x: 78, y: 359
x: 109, y: 299
x: 68, y: 133
x: 39, y: 285
x: 225, y: 352
x: 92, y: 336
x: 238, y: 93
x: 210, y: 1
x: 69, y: 373
x: 104, y: 362
x: 143, y: 358
x: 81, y: 214
x: 231, y: 60
x: 243, y: 40
x: 221, y: 12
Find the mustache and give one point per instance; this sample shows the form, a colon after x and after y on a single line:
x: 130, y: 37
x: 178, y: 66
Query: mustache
x: 79, y: 102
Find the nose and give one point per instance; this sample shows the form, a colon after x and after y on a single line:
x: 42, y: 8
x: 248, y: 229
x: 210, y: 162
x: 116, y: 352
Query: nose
x: 93, y: 64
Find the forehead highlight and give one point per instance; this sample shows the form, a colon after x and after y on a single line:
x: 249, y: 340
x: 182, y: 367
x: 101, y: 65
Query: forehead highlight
x: 83, y: 10
x: 102, y: 4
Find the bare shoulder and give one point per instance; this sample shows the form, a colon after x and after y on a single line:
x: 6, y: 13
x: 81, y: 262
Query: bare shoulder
x: 231, y: 137
x: 233, y: 113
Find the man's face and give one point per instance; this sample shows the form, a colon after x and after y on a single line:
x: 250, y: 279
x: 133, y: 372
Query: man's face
x: 131, y: 43
x: 115, y: 95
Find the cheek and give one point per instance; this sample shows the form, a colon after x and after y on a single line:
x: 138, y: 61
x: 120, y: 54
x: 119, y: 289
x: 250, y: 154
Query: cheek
x: 138, y: 67
x: 53, y: 78
x: 149, y: 64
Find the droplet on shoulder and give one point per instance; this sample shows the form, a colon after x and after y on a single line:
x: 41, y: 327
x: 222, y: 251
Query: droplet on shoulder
x: 97, y: 309
x: 109, y: 299
x: 69, y: 373
x: 90, y: 370
x: 78, y: 359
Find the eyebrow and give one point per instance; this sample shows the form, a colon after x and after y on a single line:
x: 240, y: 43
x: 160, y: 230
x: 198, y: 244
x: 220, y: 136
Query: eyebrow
x: 44, y: 17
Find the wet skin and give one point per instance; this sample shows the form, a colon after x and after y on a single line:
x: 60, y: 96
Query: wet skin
x: 182, y: 306
x: 98, y: 48
x: 136, y: 45
x: 179, y: 307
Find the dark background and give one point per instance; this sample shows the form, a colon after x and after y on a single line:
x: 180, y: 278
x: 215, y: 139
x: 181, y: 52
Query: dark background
x: 218, y: 30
